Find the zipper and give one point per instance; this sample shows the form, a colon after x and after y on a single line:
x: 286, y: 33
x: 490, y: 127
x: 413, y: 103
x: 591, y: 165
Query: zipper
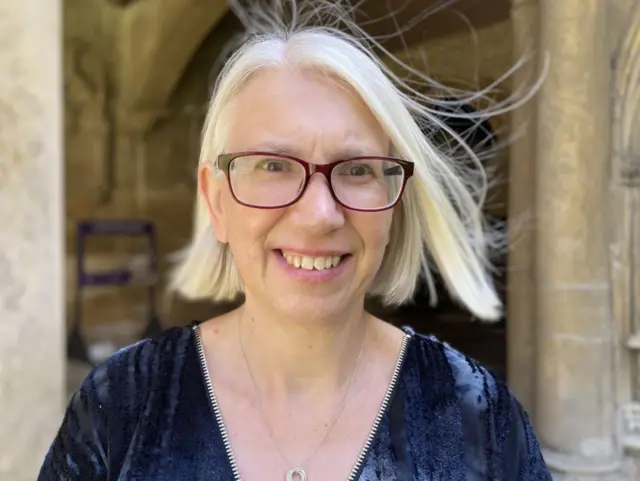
x: 216, y: 407
x: 373, y: 432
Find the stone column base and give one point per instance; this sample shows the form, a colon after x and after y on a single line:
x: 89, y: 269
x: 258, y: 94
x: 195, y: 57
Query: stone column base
x: 573, y: 468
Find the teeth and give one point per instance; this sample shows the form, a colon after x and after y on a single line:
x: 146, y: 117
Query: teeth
x: 310, y: 263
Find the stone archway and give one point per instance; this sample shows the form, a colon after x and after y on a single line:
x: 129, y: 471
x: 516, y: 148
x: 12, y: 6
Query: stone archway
x: 161, y: 41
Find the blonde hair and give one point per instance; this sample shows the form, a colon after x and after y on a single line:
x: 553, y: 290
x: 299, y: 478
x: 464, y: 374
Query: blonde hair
x: 441, y: 208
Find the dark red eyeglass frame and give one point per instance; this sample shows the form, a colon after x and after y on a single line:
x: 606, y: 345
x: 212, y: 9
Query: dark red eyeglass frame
x: 224, y: 161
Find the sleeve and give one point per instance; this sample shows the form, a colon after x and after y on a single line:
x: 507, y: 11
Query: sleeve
x: 521, y: 455
x: 78, y: 451
x: 500, y: 442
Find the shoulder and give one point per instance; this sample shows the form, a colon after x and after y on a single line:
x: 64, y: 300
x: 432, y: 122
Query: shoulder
x: 473, y: 384
x: 105, y: 410
x: 131, y: 375
x: 498, y: 436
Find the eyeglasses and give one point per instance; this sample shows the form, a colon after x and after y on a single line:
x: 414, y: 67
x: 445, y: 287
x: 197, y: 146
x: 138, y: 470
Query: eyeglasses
x: 269, y: 181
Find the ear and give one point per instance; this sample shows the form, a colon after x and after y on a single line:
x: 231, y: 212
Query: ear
x: 210, y: 187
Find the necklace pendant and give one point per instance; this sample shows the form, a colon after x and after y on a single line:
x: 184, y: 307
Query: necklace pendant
x: 296, y: 474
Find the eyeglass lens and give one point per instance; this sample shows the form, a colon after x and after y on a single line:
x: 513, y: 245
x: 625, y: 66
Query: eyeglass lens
x: 271, y: 181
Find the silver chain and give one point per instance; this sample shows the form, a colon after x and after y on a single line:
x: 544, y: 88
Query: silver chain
x: 264, y: 416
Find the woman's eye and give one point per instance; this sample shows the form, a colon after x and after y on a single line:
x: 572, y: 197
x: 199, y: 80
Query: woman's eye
x: 273, y: 166
x: 358, y: 170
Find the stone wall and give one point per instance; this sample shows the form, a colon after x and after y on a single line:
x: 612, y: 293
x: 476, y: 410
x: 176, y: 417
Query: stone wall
x: 115, y: 170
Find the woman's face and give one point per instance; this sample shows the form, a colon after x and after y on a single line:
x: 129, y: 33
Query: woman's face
x: 286, y: 256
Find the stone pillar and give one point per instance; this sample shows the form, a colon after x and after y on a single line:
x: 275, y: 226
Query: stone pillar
x: 575, y: 392
x: 521, y: 300
x: 31, y: 252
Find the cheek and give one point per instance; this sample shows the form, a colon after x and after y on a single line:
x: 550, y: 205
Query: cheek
x: 248, y: 229
x: 374, y: 229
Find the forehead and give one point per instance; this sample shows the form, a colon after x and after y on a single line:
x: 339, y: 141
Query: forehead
x: 302, y: 111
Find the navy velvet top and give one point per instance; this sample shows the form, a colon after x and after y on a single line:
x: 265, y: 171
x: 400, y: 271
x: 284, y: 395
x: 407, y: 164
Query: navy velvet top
x: 145, y: 415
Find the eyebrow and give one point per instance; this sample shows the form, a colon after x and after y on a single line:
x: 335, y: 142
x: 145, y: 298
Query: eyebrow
x: 347, y: 152
x: 274, y: 147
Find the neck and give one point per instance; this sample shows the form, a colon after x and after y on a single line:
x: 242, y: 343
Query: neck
x: 289, y: 357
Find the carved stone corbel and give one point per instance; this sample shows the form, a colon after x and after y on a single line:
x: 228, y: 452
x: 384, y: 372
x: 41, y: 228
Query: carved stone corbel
x: 629, y: 419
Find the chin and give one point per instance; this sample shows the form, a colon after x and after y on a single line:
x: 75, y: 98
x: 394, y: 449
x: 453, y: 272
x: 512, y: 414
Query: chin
x: 314, y: 307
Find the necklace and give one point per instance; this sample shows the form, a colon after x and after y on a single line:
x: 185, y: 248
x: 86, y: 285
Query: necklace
x: 298, y: 473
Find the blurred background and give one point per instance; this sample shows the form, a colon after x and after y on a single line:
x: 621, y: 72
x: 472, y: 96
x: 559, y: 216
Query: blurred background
x: 101, y: 107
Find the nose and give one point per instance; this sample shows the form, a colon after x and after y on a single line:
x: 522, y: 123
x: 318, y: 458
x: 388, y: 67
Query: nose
x: 317, y: 211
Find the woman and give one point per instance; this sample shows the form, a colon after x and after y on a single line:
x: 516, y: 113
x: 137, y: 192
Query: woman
x: 316, y: 188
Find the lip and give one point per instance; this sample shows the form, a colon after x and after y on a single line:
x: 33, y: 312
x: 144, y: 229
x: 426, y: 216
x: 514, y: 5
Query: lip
x: 312, y: 252
x: 312, y: 276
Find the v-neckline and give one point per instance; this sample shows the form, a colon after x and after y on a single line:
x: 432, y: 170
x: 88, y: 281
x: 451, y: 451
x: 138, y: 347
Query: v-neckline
x: 373, y: 431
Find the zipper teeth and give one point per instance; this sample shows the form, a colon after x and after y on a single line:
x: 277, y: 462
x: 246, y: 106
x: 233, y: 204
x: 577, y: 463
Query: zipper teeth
x: 381, y: 412
x: 216, y: 407
x: 372, y: 432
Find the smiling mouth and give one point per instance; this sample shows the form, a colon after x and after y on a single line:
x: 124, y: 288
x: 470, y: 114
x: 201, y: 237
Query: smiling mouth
x: 311, y: 263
